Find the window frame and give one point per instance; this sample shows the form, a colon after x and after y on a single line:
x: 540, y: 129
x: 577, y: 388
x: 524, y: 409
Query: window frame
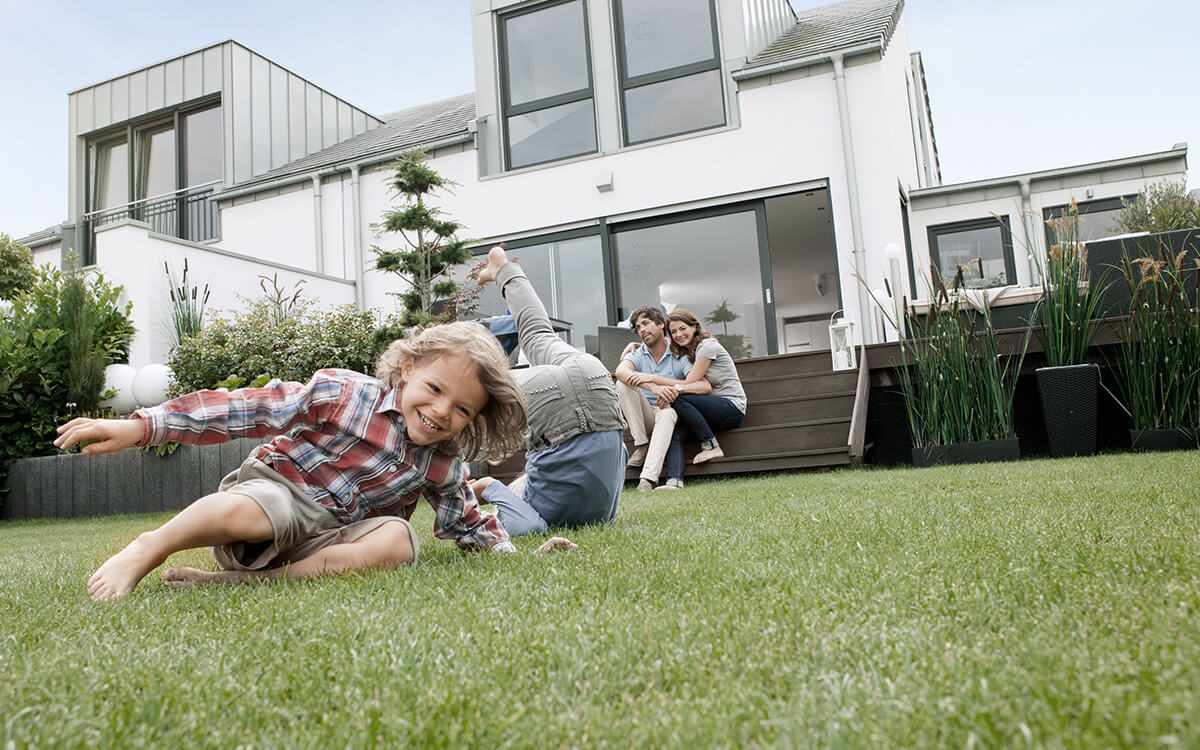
x: 627, y: 83
x: 1006, y: 241
x: 508, y: 110
x: 1097, y: 205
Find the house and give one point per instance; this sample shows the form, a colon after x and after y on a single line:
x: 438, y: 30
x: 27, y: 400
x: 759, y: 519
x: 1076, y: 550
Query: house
x: 759, y: 167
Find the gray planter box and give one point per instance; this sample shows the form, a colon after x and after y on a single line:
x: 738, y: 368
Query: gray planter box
x: 132, y: 481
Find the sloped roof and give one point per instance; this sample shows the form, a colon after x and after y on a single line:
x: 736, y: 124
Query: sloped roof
x: 408, y: 128
x: 43, y: 237
x: 850, y: 23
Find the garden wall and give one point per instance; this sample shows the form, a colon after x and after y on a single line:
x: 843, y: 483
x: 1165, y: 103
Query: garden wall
x: 131, y: 481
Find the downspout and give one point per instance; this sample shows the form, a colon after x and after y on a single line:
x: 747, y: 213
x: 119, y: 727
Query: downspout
x: 1035, y: 278
x: 860, y: 252
x: 356, y: 235
x: 318, y: 229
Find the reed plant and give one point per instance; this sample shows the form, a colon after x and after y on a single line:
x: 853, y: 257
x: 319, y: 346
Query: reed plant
x: 187, y: 305
x: 1066, y: 314
x: 958, y: 386
x: 1158, y: 368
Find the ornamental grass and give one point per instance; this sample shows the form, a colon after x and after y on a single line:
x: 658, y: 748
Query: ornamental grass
x: 1158, y: 366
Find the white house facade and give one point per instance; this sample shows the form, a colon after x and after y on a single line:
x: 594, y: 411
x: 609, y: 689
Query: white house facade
x: 758, y: 167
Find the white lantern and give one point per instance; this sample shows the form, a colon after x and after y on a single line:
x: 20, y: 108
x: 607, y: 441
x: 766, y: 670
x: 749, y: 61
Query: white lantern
x: 841, y: 343
x: 150, y: 385
x: 119, y: 378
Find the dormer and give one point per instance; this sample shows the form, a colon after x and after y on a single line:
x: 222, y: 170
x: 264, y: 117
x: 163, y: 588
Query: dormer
x: 152, y: 145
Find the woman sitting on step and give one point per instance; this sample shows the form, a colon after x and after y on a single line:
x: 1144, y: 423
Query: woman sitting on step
x: 700, y: 415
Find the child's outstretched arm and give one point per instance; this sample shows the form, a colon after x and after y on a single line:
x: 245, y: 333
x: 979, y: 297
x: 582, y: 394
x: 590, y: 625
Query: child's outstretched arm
x: 110, y: 435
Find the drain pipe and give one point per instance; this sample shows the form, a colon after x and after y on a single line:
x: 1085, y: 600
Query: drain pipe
x: 860, y: 252
x: 1035, y: 278
x: 318, y: 227
x: 356, y: 235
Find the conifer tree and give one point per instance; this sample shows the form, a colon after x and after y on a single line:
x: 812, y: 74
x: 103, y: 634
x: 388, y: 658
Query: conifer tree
x: 432, y: 245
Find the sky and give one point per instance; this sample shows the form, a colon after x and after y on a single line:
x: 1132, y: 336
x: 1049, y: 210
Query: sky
x: 1015, y: 86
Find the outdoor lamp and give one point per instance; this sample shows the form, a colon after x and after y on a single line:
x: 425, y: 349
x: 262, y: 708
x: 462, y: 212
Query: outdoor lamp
x: 841, y: 342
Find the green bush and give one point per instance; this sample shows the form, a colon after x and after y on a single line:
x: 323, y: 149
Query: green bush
x: 16, y: 267
x: 39, y: 376
x: 257, y: 342
x: 1160, y: 207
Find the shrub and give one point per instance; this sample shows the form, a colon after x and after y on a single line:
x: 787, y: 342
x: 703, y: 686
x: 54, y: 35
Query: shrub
x: 256, y: 342
x: 16, y: 267
x: 59, y: 319
x: 1160, y: 207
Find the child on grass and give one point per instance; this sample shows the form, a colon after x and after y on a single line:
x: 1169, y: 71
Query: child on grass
x: 334, y: 490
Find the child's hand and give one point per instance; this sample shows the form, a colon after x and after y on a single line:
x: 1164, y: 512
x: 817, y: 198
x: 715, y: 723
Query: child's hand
x: 108, y: 435
x: 553, y: 543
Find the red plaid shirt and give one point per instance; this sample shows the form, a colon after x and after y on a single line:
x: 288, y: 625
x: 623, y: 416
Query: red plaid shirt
x: 342, y: 439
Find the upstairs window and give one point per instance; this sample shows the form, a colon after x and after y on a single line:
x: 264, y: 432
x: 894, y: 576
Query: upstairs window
x: 1097, y: 219
x: 670, y: 68
x: 546, y: 84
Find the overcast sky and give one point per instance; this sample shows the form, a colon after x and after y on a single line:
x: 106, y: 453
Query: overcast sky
x: 1015, y: 86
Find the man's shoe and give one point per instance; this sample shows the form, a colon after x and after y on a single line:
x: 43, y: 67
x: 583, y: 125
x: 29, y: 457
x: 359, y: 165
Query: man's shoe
x: 645, y: 485
x: 638, y: 457
x: 708, y: 455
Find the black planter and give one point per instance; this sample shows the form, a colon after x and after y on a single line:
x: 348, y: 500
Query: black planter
x: 1068, y: 395
x: 984, y: 451
x: 1178, y: 439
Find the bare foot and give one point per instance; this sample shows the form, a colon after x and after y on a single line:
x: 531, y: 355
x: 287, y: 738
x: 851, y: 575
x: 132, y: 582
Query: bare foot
x: 553, y: 543
x: 121, y: 572
x: 496, y: 258
x: 184, y: 577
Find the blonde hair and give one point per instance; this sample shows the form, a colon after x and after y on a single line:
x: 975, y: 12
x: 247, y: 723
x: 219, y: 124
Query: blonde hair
x: 498, y: 430
x: 683, y: 316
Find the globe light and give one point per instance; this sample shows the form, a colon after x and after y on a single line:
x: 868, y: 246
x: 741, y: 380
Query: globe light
x: 120, y: 379
x: 150, y: 385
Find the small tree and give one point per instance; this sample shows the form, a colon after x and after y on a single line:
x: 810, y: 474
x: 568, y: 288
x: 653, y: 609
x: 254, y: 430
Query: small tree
x: 86, y: 358
x: 433, y: 249
x: 16, y: 267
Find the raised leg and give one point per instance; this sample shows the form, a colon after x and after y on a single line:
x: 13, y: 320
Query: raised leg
x: 219, y: 518
x: 541, y: 344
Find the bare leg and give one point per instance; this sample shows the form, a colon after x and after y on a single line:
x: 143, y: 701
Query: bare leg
x: 385, y: 547
x: 219, y: 518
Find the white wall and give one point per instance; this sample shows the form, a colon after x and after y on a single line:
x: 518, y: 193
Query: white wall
x: 133, y: 257
x: 278, y: 229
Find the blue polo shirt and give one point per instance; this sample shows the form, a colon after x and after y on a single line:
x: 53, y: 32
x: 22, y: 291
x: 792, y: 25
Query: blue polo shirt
x: 669, y: 366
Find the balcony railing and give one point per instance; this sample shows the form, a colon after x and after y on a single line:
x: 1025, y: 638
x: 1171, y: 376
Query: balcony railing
x: 190, y: 214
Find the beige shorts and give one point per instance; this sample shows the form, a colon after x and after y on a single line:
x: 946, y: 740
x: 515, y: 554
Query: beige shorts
x: 301, y: 525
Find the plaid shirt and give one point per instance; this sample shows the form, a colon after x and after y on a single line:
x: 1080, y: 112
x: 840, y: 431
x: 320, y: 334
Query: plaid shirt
x: 345, y: 445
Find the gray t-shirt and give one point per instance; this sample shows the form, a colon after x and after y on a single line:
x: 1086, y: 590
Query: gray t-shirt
x: 722, y: 373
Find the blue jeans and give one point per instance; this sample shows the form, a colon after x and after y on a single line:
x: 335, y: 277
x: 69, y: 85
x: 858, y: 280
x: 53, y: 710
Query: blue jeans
x: 699, y: 416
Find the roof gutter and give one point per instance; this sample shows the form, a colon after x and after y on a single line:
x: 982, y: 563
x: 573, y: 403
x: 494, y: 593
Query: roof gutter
x: 785, y: 66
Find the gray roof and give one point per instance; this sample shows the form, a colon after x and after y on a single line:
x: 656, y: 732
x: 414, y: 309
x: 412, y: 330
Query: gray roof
x: 45, y: 236
x: 851, y: 23
x: 417, y: 126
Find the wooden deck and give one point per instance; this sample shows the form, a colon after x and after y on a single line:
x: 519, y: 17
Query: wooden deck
x: 799, y: 417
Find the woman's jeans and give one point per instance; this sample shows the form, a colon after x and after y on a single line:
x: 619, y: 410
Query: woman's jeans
x: 699, y: 417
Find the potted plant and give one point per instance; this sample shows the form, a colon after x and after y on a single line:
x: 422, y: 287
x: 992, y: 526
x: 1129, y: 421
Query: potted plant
x: 1158, y: 367
x: 1068, y: 387
x: 958, y: 384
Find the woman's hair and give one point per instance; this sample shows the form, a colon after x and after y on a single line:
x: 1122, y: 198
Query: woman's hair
x: 683, y: 316
x: 498, y: 430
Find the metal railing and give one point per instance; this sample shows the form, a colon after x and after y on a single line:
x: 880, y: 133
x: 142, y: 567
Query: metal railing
x: 190, y: 214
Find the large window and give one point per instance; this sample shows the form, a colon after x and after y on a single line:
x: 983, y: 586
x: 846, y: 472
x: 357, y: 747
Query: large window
x: 160, y: 171
x: 1097, y: 219
x: 708, y: 265
x: 670, y: 67
x: 568, y: 275
x: 546, y: 84
x: 982, y: 248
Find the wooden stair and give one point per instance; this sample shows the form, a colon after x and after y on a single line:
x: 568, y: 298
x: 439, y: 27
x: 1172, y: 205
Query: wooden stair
x: 799, y: 417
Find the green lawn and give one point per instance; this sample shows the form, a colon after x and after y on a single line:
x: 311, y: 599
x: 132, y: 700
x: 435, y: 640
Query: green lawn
x: 1039, y: 603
